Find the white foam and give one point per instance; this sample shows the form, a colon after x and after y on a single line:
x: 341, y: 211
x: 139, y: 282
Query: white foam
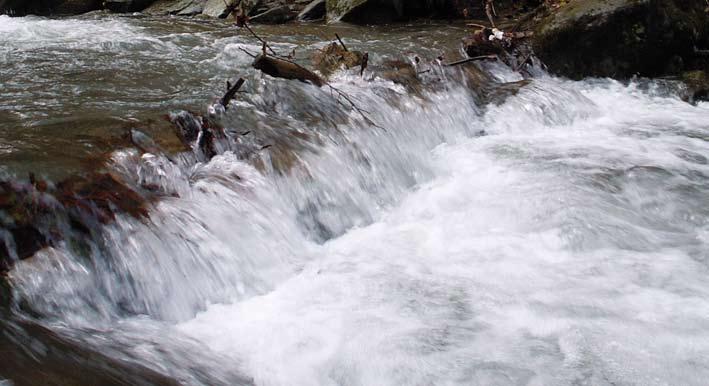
x: 508, y: 267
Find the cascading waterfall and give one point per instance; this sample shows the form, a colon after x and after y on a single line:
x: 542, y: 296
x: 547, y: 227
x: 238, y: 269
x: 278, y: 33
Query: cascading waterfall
x: 559, y: 237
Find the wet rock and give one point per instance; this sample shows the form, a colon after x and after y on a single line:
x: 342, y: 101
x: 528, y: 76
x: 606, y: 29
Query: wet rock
x: 48, y: 7
x: 697, y: 83
x: 23, y: 229
x: 218, y: 8
x: 124, y: 6
x: 101, y: 196
x: 401, y: 72
x: 194, y: 8
x: 316, y: 10
x: 75, y: 7
x: 222, y: 8
x: 276, y: 15
x: 173, y: 7
x: 497, y: 93
x: 34, y: 355
x: 622, y: 38
x: 143, y: 142
x: 36, y: 215
x: 333, y: 57
x: 187, y: 126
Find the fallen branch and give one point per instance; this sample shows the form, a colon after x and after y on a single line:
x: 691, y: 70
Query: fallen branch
x: 278, y: 67
x: 467, y: 60
x: 286, y: 69
x: 248, y: 53
x: 261, y: 40
x: 231, y: 92
x: 341, y: 42
x: 477, y: 25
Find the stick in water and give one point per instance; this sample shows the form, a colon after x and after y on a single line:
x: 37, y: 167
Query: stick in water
x: 484, y: 57
x: 341, y: 42
x: 231, y: 92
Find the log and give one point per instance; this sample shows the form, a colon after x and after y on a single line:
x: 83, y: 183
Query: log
x: 281, y: 68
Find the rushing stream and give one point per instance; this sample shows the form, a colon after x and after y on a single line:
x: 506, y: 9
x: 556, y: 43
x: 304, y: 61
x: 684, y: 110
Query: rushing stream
x: 560, y: 237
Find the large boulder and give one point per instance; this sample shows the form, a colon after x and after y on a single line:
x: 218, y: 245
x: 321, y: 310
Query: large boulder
x: 385, y: 11
x: 221, y: 8
x: 48, y: 7
x: 174, y: 7
x: 316, y: 10
x: 277, y: 15
x: 122, y: 6
x: 622, y: 38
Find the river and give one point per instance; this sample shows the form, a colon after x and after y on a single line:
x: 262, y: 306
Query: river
x: 560, y: 237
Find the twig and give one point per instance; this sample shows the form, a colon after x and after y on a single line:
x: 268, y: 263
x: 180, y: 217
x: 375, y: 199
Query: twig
x: 522, y: 63
x: 341, y: 42
x: 467, y: 60
x: 477, y: 25
x: 231, y: 92
x: 261, y: 40
x: 365, y: 62
x: 363, y: 113
x: 248, y: 53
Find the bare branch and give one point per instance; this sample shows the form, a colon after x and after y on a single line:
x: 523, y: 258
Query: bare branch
x: 341, y: 42
x: 475, y: 58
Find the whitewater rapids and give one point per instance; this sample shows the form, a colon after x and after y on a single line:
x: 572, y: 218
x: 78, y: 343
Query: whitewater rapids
x: 560, y: 238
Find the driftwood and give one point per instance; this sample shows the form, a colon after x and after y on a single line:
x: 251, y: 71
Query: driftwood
x: 282, y: 68
x: 476, y: 58
x: 231, y: 92
x: 279, y: 67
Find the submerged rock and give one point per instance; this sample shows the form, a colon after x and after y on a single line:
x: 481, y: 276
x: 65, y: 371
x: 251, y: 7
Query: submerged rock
x: 34, y: 355
x: 36, y: 215
x: 622, y: 38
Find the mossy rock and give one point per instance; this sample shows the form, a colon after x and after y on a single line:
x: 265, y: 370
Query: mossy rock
x: 622, y: 38
x: 697, y: 83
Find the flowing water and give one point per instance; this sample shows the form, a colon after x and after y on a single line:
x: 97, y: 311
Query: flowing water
x: 560, y: 237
